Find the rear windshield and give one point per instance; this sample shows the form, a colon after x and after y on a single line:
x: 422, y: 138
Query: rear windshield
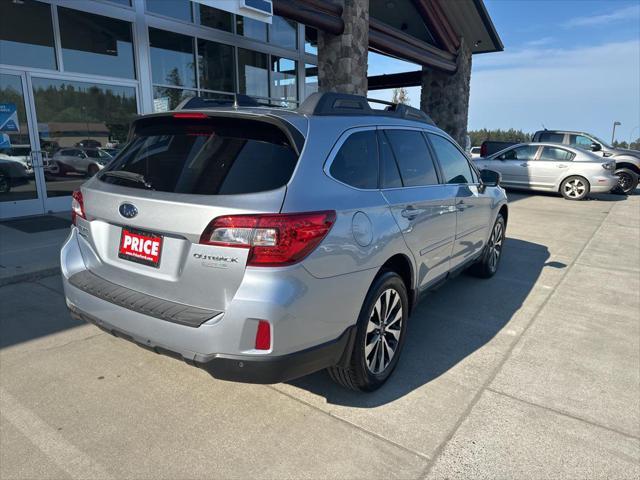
x: 215, y: 156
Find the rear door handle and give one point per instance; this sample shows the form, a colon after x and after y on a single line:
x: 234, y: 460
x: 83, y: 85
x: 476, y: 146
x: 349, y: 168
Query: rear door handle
x: 562, y: 165
x: 462, y: 206
x: 525, y: 164
x: 411, y: 212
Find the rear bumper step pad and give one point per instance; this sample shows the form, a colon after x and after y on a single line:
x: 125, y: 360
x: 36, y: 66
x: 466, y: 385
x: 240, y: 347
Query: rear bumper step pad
x: 141, y: 302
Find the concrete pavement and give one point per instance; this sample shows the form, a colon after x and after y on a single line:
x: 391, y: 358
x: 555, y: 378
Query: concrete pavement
x: 534, y: 373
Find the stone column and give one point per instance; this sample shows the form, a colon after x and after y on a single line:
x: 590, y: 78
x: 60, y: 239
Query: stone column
x: 445, y: 96
x: 342, y: 59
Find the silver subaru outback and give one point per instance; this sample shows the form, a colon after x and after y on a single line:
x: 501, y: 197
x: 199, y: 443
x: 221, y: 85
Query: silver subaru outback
x: 262, y: 244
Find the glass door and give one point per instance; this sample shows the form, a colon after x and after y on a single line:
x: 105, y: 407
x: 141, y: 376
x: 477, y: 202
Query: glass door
x: 21, y: 175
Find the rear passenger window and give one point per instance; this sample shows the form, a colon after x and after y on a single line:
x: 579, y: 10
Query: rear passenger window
x: 454, y: 164
x: 551, y: 137
x: 390, y: 174
x: 414, y: 158
x: 356, y: 163
x: 553, y: 154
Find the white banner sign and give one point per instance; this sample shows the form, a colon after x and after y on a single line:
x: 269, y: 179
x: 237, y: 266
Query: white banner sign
x: 261, y: 10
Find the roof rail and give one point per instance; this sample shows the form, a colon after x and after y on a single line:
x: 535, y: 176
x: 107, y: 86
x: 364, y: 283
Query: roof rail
x: 234, y: 100
x: 332, y: 103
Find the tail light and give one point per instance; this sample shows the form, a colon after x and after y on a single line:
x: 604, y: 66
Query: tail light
x: 611, y: 165
x: 272, y: 239
x: 77, y: 206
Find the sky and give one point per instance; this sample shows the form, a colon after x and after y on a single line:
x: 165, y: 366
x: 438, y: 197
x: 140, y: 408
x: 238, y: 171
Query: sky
x: 570, y: 64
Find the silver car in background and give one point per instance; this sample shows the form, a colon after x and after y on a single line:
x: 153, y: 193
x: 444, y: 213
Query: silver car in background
x: 572, y: 172
x: 263, y: 244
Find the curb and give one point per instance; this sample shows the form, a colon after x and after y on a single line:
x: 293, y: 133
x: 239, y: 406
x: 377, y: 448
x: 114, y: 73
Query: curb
x: 29, y: 276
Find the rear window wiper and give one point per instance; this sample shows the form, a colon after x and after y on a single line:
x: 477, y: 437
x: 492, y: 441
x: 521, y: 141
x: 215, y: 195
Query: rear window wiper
x: 130, y: 176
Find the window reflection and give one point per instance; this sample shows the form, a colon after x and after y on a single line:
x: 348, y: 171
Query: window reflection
x: 26, y: 34
x: 310, y: 79
x: 283, y: 78
x: 248, y: 27
x: 77, y: 122
x: 216, y: 65
x: 95, y: 44
x: 172, y: 58
x: 179, y: 9
x: 166, y: 98
x: 284, y: 33
x: 17, y: 180
x: 253, y: 73
x: 310, y: 40
x: 215, y: 18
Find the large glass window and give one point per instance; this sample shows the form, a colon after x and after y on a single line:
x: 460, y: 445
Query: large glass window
x: 413, y: 156
x: 248, y: 27
x: 356, y: 163
x: 167, y: 98
x: 95, y: 44
x: 26, y: 34
x: 310, y: 40
x: 180, y: 9
x: 79, y: 116
x: 310, y: 79
x: 555, y: 154
x: 216, y: 65
x: 580, y: 141
x: 283, y: 78
x: 284, y: 33
x: 253, y: 73
x: 454, y: 164
x: 526, y: 152
x: 172, y: 58
x: 215, y: 18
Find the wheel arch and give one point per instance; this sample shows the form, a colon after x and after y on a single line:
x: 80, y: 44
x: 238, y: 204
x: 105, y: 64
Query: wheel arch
x: 626, y: 164
x: 401, y: 264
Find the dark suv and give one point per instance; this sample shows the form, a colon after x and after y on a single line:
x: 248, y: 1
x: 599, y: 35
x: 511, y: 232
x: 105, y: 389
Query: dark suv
x: 627, y: 161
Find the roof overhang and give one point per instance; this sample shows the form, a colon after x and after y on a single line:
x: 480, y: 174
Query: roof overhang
x: 472, y: 22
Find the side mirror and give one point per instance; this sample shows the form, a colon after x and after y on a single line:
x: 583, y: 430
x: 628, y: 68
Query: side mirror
x: 596, y: 147
x: 490, y: 178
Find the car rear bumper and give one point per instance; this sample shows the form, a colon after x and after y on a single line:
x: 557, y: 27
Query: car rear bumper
x: 246, y: 368
x: 603, y: 184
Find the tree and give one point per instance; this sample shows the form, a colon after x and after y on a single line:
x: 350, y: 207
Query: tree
x: 511, y: 135
x: 400, y: 95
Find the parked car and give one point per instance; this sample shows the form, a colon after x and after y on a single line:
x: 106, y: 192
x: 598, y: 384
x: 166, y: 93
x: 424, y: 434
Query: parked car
x: 88, y: 143
x: 627, y: 161
x: 81, y: 160
x: 572, y: 172
x: 12, y: 174
x: 475, y: 152
x: 489, y: 147
x: 21, y: 154
x: 263, y: 244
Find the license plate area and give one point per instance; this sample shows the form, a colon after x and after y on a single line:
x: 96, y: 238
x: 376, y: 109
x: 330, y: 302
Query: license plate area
x: 140, y: 246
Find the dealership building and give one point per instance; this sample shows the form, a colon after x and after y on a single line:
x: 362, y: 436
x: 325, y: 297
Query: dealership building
x: 74, y: 73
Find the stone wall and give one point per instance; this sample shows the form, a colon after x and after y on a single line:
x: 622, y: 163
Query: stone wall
x: 342, y: 59
x: 445, y: 96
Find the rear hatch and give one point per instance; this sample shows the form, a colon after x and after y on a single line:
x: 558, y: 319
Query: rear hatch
x: 146, y: 211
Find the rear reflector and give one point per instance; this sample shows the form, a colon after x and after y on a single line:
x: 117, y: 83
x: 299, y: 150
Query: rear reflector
x: 77, y: 206
x: 190, y: 115
x: 272, y: 239
x: 263, y: 335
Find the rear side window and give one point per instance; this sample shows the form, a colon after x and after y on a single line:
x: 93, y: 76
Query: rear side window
x: 413, y: 157
x: 526, y: 152
x: 551, y: 137
x: 553, y: 154
x: 454, y: 164
x: 214, y: 156
x: 356, y: 163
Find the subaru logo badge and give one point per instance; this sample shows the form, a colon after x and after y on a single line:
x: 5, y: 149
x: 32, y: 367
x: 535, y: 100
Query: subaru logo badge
x: 128, y: 210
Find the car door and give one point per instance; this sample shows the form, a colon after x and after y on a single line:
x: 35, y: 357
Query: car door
x: 549, y: 167
x: 513, y: 165
x: 423, y: 207
x: 473, y: 204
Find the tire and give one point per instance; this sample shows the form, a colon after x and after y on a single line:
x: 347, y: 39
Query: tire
x: 575, y: 188
x: 487, y: 265
x: 5, y: 185
x: 627, y: 181
x: 92, y: 170
x: 367, y: 370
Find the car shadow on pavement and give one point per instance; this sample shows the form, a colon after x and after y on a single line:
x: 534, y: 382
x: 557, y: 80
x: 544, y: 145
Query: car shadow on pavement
x: 514, y: 195
x: 449, y: 325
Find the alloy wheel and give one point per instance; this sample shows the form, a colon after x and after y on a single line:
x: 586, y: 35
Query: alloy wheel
x: 574, y: 188
x: 383, y: 331
x: 495, y: 245
x: 625, y: 180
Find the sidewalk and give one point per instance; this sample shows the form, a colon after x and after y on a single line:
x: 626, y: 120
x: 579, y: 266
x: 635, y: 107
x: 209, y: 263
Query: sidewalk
x: 30, y: 247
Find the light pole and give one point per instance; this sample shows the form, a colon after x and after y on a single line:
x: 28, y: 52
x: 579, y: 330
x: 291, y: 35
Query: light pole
x: 613, y: 134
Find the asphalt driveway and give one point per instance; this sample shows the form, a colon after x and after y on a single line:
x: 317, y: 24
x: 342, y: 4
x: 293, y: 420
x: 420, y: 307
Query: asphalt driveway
x: 534, y: 373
